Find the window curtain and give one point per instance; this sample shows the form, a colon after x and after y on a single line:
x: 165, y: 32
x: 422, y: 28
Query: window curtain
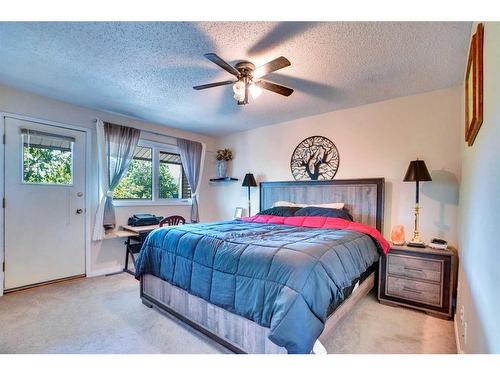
x: 116, y: 145
x: 192, y: 157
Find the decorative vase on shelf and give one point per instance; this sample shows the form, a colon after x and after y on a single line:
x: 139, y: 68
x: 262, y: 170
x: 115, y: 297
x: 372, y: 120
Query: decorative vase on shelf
x: 222, y: 157
x: 221, y: 168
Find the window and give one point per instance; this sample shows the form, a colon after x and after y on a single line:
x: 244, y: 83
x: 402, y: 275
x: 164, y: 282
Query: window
x: 47, y: 158
x: 138, y: 181
x: 173, y: 182
x: 156, y: 175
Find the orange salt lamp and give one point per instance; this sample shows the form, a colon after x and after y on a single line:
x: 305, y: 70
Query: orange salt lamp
x: 398, y: 235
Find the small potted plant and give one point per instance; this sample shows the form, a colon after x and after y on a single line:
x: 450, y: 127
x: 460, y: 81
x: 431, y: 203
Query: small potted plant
x: 223, y: 156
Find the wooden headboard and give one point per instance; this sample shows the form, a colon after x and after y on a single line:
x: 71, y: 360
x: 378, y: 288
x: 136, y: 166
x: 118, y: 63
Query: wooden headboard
x: 363, y: 198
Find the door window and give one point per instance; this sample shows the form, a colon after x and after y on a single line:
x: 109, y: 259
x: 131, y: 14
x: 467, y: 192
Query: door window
x: 47, y: 158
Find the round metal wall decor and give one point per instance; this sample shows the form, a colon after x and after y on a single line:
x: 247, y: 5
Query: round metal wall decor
x: 315, y: 158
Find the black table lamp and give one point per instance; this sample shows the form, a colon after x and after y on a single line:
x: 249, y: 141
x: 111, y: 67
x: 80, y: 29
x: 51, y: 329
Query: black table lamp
x: 417, y: 171
x: 249, y: 181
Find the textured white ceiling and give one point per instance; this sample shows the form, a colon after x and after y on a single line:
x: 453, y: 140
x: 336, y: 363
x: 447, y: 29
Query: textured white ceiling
x: 147, y: 70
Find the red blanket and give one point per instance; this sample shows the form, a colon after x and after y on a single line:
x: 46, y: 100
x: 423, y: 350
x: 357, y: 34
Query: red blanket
x: 322, y: 222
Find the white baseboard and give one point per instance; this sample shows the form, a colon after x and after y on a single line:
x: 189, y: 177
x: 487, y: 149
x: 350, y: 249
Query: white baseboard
x: 457, y: 336
x: 105, y: 271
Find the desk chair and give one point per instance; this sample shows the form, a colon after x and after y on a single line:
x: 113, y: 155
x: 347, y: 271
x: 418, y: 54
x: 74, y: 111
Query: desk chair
x: 172, y: 220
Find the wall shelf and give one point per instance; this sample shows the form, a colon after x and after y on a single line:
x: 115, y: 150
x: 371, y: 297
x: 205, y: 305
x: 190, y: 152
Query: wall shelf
x: 223, y: 179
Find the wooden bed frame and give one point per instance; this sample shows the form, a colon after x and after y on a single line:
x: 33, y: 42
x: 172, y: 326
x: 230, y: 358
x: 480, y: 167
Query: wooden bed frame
x: 364, y: 198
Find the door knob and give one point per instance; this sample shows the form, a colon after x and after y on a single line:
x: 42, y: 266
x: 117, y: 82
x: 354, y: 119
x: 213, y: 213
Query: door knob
x: 79, y: 211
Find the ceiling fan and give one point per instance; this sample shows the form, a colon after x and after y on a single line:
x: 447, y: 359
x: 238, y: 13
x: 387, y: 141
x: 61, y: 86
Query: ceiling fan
x: 248, y: 78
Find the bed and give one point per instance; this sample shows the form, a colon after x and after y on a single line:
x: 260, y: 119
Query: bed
x: 269, y: 284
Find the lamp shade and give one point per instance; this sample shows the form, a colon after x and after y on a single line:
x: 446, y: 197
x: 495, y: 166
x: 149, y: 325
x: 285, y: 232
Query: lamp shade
x: 249, y: 180
x: 417, y: 171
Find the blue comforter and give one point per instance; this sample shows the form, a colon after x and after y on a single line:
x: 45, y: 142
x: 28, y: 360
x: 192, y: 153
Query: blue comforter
x: 282, y: 277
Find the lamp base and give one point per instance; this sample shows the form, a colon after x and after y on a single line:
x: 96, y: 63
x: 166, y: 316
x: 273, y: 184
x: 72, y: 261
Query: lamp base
x: 415, y: 244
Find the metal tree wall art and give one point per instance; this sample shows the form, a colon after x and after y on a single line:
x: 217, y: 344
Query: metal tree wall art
x: 315, y: 158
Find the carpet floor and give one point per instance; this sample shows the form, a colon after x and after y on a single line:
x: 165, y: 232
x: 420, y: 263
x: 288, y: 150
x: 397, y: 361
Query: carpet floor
x: 105, y: 315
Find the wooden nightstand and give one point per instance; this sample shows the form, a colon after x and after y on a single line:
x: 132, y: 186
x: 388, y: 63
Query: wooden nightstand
x: 420, y: 278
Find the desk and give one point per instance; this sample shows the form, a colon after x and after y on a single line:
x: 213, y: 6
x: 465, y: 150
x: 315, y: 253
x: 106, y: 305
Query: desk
x: 135, y: 237
x: 139, y: 230
x: 128, y: 230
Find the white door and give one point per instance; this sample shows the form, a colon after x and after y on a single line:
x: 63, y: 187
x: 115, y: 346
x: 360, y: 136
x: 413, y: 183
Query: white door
x: 44, y: 203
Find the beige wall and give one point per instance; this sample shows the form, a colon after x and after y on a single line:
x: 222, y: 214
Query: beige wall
x: 108, y: 256
x: 479, y: 276
x: 376, y: 140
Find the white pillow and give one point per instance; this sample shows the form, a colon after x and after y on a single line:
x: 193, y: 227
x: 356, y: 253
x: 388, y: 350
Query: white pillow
x: 338, y: 205
x: 287, y: 204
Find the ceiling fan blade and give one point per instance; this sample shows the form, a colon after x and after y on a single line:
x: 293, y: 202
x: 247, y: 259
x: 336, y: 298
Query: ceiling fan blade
x: 224, y: 65
x: 276, y: 64
x: 278, y: 89
x: 215, y: 84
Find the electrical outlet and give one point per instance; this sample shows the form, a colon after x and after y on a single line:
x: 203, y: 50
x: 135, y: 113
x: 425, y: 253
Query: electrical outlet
x: 462, y: 315
x: 465, y: 333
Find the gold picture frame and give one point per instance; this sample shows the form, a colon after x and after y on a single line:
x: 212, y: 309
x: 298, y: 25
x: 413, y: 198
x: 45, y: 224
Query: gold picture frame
x: 474, y: 87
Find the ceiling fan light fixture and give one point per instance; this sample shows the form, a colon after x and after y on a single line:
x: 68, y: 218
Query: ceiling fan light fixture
x: 239, y: 90
x: 255, y: 90
x: 239, y: 98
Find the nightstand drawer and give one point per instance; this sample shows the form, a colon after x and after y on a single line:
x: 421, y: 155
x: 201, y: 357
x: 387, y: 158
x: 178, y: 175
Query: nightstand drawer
x: 413, y: 290
x: 417, y: 268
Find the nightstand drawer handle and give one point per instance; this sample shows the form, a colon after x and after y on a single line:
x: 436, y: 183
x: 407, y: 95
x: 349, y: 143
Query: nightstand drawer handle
x: 405, y: 288
x: 413, y: 269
